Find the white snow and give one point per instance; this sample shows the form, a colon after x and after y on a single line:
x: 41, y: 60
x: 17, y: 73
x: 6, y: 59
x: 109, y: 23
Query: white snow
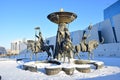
x: 9, y: 70
x: 54, y: 66
x: 67, y: 65
x: 83, y: 66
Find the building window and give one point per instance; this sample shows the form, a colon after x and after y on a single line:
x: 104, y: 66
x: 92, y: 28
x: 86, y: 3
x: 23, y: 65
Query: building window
x: 100, y: 36
x: 114, y: 34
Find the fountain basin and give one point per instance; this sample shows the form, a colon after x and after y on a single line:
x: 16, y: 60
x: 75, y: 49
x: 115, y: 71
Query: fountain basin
x: 85, y: 68
x: 81, y: 61
x: 62, y: 17
x: 52, y: 70
x: 53, y: 67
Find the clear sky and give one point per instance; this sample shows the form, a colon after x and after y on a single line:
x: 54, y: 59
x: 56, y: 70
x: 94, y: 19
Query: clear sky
x: 18, y: 18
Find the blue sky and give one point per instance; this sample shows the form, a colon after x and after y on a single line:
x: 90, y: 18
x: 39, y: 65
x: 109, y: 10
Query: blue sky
x: 18, y: 18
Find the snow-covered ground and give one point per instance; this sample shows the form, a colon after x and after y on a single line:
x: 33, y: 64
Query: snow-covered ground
x: 10, y: 70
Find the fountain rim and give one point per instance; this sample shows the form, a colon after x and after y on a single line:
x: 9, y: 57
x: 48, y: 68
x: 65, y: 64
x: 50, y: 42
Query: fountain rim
x: 65, y: 13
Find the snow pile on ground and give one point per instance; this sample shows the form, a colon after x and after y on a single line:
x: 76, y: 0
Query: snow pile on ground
x: 10, y: 70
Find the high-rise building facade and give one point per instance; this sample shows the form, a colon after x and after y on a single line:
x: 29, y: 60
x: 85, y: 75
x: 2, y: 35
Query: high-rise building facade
x: 112, y: 10
x: 113, y: 14
x: 18, y: 46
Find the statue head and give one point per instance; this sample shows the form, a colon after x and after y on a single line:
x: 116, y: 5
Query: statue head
x: 65, y: 29
x: 39, y: 33
x: 90, y: 27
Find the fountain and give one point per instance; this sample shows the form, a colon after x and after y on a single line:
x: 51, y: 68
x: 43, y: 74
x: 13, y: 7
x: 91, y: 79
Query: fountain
x: 61, y: 18
x: 64, y: 48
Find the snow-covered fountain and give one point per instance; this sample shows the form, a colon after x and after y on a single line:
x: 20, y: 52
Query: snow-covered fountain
x: 63, y: 55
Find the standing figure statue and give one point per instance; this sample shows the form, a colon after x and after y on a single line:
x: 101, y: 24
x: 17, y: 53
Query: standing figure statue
x: 67, y: 49
x: 60, y: 37
x: 67, y: 34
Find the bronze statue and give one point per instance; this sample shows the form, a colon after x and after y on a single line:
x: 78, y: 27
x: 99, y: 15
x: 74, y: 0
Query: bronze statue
x: 67, y: 49
x: 59, y: 38
x: 84, y: 42
x: 93, y: 44
x: 39, y: 45
x: 85, y: 46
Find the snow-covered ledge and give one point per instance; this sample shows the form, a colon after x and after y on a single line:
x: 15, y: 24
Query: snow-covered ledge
x: 30, y: 66
x: 52, y: 70
x: 97, y: 64
x: 85, y: 68
x: 81, y: 61
x: 68, y: 68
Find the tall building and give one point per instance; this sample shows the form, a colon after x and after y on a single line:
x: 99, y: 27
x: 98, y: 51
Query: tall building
x: 113, y: 14
x: 116, y: 21
x: 112, y: 10
x: 105, y: 30
x: 18, y: 46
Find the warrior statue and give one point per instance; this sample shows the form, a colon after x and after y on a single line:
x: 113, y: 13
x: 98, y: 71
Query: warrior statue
x: 85, y: 36
x: 39, y: 45
x: 60, y: 37
x: 84, y: 42
x: 40, y: 41
x: 67, y: 49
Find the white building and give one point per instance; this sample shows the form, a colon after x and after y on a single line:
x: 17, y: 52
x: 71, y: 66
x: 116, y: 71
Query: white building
x: 78, y: 36
x: 18, y: 46
x: 116, y: 22
x: 113, y: 14
x: 106, y: 30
